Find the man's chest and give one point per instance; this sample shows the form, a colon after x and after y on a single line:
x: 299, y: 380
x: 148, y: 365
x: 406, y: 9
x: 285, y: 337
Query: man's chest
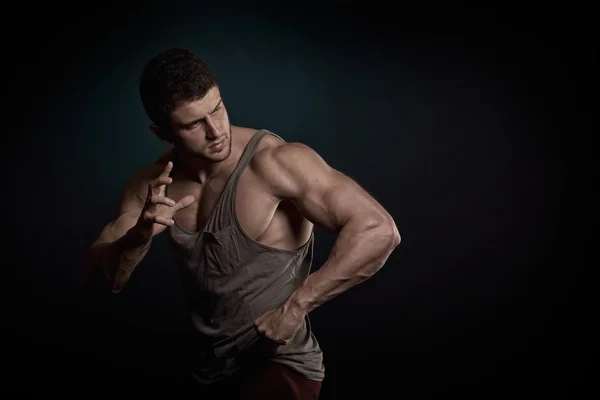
x: 244, y: 198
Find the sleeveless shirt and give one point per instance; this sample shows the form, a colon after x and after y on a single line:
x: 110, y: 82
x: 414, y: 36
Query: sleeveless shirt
x: 229, y: 280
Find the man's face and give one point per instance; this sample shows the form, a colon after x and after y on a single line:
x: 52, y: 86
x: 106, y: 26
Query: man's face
x: 201, y: 128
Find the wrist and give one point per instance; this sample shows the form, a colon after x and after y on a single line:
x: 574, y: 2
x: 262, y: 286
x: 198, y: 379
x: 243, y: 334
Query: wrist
x: 140, y: 234
x: 299, y: 303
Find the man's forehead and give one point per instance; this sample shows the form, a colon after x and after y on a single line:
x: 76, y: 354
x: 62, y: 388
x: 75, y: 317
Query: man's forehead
x: 197, y: 108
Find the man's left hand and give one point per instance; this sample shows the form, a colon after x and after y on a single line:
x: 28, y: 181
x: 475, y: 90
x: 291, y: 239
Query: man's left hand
x: 279, y: 324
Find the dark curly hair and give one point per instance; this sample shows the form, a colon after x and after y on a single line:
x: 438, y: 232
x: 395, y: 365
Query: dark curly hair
x: 171, y: 77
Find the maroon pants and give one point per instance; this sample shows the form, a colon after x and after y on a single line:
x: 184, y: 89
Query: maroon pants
x: 272, y: 381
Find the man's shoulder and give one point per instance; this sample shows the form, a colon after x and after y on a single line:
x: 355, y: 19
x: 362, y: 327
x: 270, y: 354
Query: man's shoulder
x: 273, y: 149
x: 277, y: 163
x: 262, y: 158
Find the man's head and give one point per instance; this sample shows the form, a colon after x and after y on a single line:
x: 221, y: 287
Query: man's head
x: 182, y: 99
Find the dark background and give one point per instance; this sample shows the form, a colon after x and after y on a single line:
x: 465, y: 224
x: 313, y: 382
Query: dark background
x: 456, y: 120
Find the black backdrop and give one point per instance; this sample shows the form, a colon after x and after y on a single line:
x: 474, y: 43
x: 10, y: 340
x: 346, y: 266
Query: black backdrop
x: 456, y: 120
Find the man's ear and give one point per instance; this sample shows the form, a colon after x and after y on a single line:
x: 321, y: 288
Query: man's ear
x: 161, y: 133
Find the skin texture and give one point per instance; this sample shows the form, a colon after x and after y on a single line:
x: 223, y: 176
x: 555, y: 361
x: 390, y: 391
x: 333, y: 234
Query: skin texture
x: 286, y: 190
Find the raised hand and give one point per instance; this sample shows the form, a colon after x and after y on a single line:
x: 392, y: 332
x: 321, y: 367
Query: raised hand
x: 159, y: 210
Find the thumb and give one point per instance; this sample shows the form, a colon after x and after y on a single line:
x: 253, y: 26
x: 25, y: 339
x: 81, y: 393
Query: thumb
x: 259, y: 320
x: 185, y: 202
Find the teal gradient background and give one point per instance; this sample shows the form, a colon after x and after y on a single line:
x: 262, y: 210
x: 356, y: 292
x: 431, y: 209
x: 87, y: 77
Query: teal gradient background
x: 456, y: 134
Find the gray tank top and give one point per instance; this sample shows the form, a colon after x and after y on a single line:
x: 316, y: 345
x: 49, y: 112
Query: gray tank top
x: 229, y: 280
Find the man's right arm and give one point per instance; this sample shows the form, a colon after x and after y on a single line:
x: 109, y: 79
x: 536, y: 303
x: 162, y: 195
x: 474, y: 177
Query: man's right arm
x: 121, y: 245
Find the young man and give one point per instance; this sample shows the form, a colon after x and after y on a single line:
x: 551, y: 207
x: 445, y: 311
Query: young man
x: 238, y: 205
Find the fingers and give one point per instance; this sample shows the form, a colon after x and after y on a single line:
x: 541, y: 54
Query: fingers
x: 161, y: 181
x: 162, y: 200
x: 165, y: 216
x: 271, y: 336
x: 157, y: 186
x: 159, y: 219
x: 167, y: 170
x: 153, y: 200
x: 265, y: 332
x: 185, y: 202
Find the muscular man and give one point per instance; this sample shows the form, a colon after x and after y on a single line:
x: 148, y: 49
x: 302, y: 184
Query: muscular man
x: 238, y: 205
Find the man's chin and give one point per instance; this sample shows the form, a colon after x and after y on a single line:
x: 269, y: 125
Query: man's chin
x: 213, y: 158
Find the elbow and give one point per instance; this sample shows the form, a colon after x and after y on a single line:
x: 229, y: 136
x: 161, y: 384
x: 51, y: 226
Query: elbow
x: 387, y: 231
x: 120, y: 280
x: 395, y: 237
x: 117, y: 287
x: 392, y: 235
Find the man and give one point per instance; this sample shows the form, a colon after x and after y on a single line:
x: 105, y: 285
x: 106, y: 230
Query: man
x: 239, y: 205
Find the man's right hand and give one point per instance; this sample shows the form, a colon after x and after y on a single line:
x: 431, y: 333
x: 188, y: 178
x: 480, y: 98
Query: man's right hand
x: 159, y: 210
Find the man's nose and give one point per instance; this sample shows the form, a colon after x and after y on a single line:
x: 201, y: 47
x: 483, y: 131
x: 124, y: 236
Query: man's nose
x: 211, y: 129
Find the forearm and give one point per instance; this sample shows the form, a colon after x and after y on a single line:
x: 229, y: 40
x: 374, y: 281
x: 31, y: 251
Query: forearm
x: 360, y: 250
x: 119, y: 258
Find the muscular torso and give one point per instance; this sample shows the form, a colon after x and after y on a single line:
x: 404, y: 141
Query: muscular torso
x: 264, y: 218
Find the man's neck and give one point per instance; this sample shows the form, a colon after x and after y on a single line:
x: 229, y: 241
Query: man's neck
x: 201, y: 170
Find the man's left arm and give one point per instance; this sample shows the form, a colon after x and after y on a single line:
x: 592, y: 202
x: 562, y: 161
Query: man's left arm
x: 366, y: 233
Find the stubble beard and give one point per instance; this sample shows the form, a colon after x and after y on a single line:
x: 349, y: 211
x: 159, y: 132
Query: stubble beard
x: 203, y: 157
